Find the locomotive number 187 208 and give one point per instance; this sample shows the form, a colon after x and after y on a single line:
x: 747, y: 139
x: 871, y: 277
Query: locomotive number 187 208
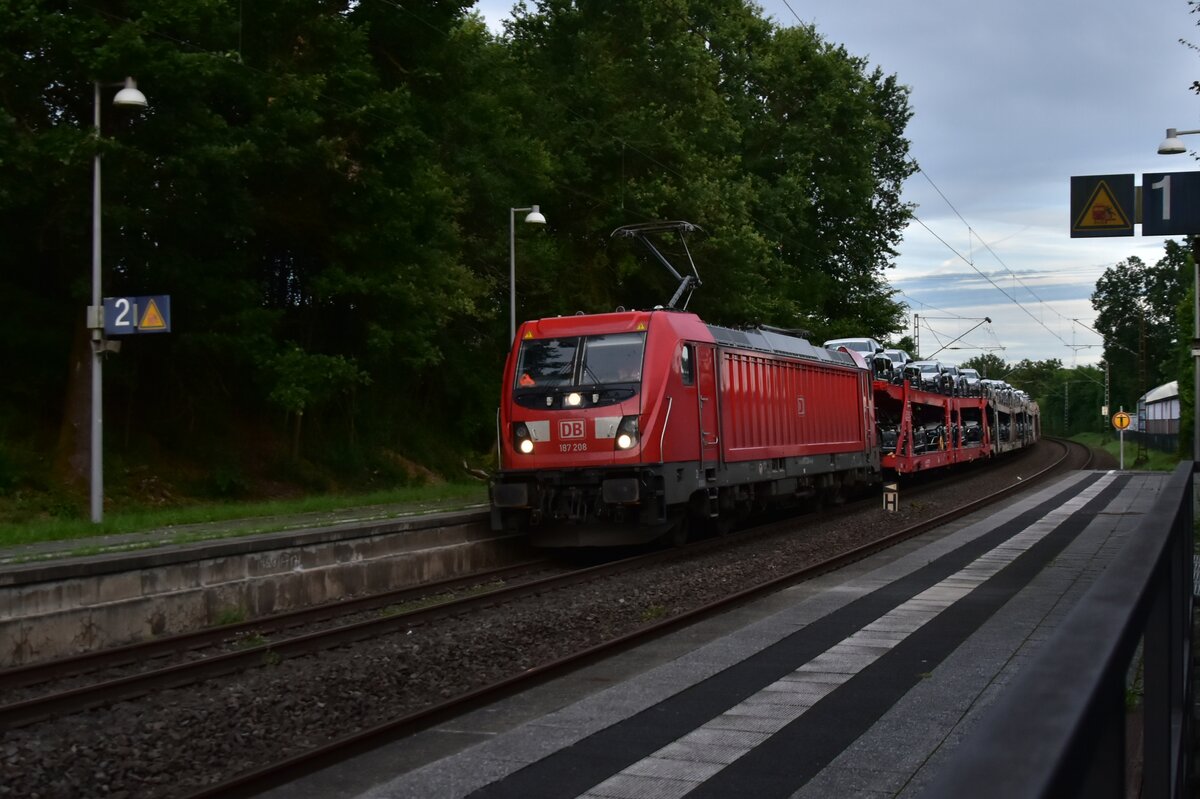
x: 572, y: 447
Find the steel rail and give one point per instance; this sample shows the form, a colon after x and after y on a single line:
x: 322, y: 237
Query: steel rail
x: 27, y: 711
x: 275, y: 774
x: 83, y: 663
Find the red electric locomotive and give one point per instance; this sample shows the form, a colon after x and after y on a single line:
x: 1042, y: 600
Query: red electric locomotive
x: 624, y: 427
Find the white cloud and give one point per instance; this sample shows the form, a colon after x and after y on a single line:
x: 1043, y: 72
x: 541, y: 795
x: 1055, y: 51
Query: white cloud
x: 1010, y: 100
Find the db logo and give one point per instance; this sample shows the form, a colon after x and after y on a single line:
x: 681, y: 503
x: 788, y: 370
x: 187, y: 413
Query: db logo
x: 571, y: 428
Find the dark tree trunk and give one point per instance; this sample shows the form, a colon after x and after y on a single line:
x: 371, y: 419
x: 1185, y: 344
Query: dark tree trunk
x: 72, y: 456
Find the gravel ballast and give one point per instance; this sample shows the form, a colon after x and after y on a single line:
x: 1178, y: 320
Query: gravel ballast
x: 174, y: 742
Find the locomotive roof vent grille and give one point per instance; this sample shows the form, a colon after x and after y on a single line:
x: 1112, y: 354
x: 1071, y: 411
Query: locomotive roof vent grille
x: 773, y: 340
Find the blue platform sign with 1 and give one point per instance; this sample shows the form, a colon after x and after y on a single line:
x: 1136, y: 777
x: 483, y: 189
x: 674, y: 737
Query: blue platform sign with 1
x: 125, y: 316
x: 1170, y: 203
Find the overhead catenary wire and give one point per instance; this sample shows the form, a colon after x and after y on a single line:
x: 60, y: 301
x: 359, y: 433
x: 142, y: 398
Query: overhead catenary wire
x: 1116, y: 344
x: 924, y: 304
x: 970, y: 261
x: 910, y: 301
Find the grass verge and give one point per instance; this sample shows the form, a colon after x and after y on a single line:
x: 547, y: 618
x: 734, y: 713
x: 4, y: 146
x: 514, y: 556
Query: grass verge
x: 263, y: 516
x: 1155, y: 462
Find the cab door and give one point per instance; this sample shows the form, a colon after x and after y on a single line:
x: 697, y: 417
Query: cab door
x: 708, y: 409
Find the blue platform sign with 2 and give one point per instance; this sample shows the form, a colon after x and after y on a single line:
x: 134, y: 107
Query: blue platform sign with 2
x: 125, y: 316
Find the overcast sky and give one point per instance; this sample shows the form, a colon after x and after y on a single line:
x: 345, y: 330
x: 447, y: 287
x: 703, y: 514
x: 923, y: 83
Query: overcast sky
x: 1010, y: 100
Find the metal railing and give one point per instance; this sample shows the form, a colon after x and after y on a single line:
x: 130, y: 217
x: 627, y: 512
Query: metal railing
x: 1061, y: 729
x: 1163, y: 442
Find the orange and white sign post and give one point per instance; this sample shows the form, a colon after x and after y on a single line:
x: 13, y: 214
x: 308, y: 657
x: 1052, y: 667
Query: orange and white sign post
x: 1121, y: 421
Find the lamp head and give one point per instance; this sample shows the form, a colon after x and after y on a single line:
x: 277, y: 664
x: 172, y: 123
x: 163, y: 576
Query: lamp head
x: 130, y: 96
x: 534, y: 217
x: 1171, y: 145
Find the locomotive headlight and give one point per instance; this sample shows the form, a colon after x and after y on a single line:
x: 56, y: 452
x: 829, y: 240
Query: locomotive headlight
x: 522, y: 439
x: 574, y: 398
x: 627, y: 433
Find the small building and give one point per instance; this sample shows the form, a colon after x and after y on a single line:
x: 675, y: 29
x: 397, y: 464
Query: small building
x: 1158, y: 417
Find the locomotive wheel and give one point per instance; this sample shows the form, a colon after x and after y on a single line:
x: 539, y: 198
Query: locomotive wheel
x: 677, y: 536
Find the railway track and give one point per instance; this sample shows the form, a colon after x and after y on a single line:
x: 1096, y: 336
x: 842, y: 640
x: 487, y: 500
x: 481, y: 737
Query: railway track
x: 227, y: 650
x: 90, y: 662
x: 94, y: 679
x: 494, y: 590
x: 1073, y: 457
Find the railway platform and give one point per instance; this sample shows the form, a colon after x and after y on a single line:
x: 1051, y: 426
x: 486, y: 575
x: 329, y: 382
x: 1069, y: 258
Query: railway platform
x: 865, y: 682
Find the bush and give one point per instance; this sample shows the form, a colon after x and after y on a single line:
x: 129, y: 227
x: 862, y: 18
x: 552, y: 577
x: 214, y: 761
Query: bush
x: 10, y: 472
x: 227, y: 482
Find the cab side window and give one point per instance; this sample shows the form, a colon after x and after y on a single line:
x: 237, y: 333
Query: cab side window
x: 686, y: 365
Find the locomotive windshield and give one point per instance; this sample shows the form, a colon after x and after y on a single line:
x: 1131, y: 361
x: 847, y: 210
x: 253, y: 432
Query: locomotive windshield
x: 580, y: 361
x: 615, y: 358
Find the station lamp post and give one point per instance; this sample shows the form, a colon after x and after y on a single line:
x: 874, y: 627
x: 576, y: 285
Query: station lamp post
x: 1171, y: 145
x: 128, y: 97
x: 534, y: 217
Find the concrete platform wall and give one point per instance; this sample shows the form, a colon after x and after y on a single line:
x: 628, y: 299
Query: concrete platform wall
x: 56, y: 609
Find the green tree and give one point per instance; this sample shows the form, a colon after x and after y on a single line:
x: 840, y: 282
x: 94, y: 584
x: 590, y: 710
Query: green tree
x: 1035, y: 378
x: 1136, y: 305
x: 277, y: 189
x: 323, y: 188
x: 827, y: 151
x: 1071, y: 404
x: 905, y: 344
x: 1070, y: 399
x: 1185, y: 365
x: 785, y: 149
x: 988, y: 365
x: 631, y: 95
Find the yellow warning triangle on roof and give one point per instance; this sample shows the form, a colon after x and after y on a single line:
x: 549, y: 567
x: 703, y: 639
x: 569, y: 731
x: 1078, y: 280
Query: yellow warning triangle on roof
x: 1101, y: 211
x: 152, y: 319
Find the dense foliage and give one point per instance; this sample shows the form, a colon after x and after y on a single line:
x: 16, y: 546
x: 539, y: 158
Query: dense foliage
x: 1144, y: 312
x: 1069, y: 398
x: 323, y: 188
x: 1136, y: 307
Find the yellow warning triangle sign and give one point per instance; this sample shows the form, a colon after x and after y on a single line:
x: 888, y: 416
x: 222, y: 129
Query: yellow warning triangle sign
x: 1101, y: 211
x: 152, y: 319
